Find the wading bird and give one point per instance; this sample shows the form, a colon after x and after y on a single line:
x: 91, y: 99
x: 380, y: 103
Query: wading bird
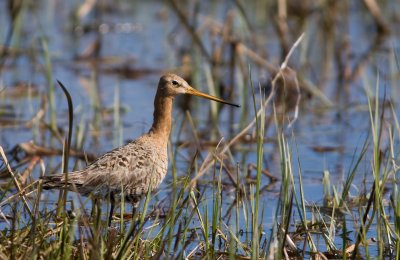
x: 137, y: 167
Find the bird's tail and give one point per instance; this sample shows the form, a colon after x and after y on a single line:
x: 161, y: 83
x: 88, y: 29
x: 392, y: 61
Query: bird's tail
x: 55, y: 181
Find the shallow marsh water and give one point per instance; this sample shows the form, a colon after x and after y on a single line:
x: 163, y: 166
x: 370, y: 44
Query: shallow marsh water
x: 113, y: 87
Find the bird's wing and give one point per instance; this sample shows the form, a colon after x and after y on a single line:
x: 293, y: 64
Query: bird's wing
x: 130, y: 167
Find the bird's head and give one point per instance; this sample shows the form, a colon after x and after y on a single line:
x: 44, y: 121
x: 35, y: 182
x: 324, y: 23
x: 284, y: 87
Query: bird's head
x: 172, y: 85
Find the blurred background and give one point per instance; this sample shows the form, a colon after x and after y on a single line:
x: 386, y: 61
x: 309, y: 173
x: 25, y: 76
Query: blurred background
x: 111, y: 54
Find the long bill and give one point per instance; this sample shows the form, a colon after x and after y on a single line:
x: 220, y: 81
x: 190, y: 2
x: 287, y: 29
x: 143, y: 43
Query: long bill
x: 192, y: 91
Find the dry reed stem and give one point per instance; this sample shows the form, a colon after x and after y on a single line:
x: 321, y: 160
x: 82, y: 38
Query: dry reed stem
x: 296, y: 84
x: 86, y: 7
x: 241, y: 48
x: 208, y: 161
x: 28, y: 170
x: 200, y: 246
x: 39, y: 114
x: 364, y: 60
x: 22, y: 193
x: 27, y: 123
x: 32, y: 149
x: 282, y: 26
x: 376, y: 13
x: 232, y: 178
x: 185, y: 21
x: 16, y: 183
x: 252, y: 166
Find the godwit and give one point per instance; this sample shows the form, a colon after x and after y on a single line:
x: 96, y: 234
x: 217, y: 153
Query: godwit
x: 140, y: 165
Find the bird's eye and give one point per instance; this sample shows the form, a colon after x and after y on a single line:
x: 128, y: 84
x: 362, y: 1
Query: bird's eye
x: 175, y: 83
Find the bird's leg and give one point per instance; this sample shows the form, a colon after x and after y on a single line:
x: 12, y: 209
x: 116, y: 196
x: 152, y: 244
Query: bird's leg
x: 134, y: 206
x: 94, y: 207
x: 112, y: 201
x: 135, y: 224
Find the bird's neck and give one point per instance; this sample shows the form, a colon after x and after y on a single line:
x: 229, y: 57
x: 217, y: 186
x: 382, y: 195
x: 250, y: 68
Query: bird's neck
x: 162, y: 117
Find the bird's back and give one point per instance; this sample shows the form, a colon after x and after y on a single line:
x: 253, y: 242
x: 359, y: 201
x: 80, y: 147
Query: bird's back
x: 132, y: 169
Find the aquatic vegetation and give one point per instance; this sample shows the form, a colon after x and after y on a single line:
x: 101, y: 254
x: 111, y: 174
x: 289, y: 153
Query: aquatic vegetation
x: 307, y: 167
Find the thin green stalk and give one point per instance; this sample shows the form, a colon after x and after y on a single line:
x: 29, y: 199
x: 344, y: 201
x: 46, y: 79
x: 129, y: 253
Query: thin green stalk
x: 352, y: 172
x: 49, y: 78
x: 302, y: 211
x: 126, y: 242
x: 260, y: 146
x: 377, y: 131
x: 214, y: 105
x: 203, y: 223
x: 172, y: 214
x: 216, y: 205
